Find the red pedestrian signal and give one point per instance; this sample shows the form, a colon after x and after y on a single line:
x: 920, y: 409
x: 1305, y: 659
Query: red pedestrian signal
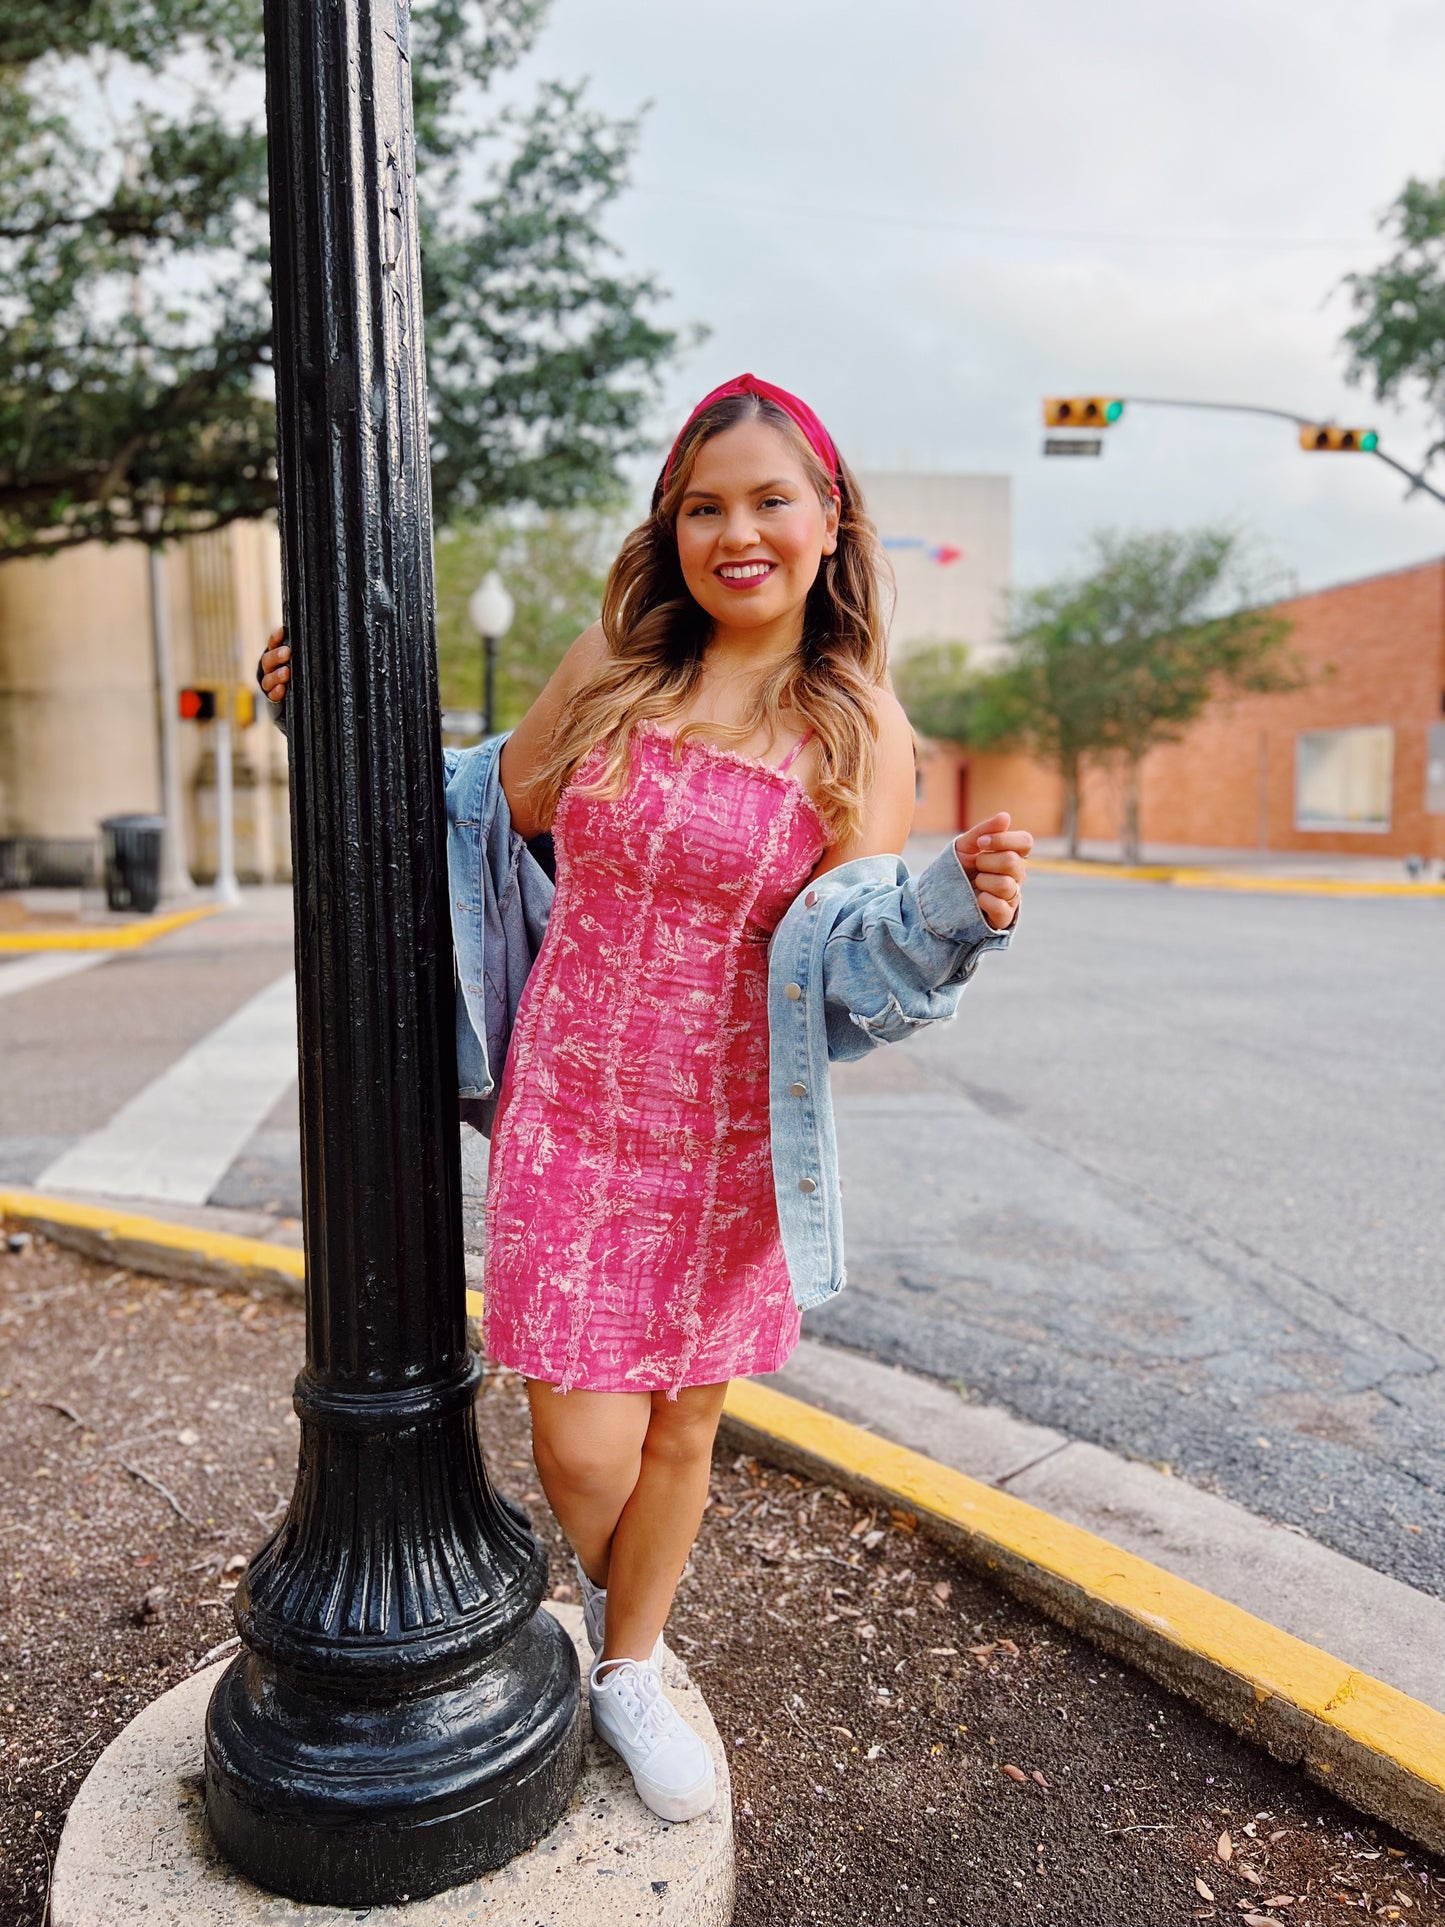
x: 198, y: 705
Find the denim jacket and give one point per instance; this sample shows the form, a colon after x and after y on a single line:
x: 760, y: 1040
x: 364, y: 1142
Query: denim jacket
x: 866, y: 955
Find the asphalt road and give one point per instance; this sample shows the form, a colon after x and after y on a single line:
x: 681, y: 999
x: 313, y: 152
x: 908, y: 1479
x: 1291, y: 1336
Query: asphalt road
x: 1173, y: 1183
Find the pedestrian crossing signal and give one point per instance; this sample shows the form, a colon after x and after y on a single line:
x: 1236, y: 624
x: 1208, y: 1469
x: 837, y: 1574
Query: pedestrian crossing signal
x: 1322, y: 435
x: 204, y: 705
x: 1082, y: 411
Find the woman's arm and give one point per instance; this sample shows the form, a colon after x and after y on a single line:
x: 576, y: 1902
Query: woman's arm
x: 525, y: 747
x: 888, y: 807
x: 991, y: 855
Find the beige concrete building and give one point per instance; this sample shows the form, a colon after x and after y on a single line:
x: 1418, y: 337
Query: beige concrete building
x: 79, y: 712
x: 950, y: 541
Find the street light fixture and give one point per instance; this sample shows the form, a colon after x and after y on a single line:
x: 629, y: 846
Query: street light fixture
x: 491, y: 610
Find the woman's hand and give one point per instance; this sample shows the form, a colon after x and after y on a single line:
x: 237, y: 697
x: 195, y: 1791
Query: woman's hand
x: 275, y: 666
x: 993, y: 860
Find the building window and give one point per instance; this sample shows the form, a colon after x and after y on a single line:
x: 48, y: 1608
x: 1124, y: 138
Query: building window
x: 1342, y: 779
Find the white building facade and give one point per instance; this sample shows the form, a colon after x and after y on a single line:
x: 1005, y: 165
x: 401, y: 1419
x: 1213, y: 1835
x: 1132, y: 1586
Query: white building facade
x: 950, y: 541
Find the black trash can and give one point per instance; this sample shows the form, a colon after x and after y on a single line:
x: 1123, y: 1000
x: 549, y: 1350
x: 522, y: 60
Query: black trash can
x: 133, y: 861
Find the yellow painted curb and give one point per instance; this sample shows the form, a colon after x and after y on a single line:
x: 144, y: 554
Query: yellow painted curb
x: 1362, y: 1738
x: 1194, y: 878
x: 116, y: 1233
x: 124, y: 936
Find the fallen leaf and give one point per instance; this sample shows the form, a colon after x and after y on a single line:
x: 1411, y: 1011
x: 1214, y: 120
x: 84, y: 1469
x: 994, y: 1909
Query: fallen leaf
x: 725, y: 1511
x: 188, y: 1435
x: 905, y: 1521
x: 862, y: 1526
x: 1278, y: 1834
x: 1278, y: 1900
x: 1017, y: 1773
x: 867, y: 1631
x: 873, y: 1752
x: 1203, y: 1892
x: 1259, y: 1920
x: 235, y: 1565
x: 943, y: 1591
x: 982, y: 1652
x: 1007, y: 1646
x: 1224, y: 1847
x: 1248, y: 1873
x: 1036, y: 1775
x: 873, y: 1538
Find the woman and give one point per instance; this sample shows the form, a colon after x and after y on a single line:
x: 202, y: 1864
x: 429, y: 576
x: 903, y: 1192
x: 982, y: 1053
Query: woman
x: 663, y: 1194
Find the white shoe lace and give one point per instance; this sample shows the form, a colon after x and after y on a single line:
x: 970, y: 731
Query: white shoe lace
x: 638, y: 1687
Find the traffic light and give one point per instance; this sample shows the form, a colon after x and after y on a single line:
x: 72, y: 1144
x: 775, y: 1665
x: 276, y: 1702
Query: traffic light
x: 1082, y: 411
x: 205, y: 704
x: 1322, y: 435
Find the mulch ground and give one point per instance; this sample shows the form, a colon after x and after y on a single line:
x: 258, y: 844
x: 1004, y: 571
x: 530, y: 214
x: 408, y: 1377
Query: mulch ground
x: 907, y: 1744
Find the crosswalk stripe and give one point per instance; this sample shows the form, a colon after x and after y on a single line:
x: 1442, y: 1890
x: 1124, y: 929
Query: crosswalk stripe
x: 176, y: 1138
x: 45, y: 966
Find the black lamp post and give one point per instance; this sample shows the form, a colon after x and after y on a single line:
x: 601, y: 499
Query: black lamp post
x: 402, y: 1716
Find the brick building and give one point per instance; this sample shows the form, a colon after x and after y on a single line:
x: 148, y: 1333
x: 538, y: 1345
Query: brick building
x: 1354, y: 761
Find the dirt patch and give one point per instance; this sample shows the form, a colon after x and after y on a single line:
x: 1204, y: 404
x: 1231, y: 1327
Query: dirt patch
x: 907, y: 1745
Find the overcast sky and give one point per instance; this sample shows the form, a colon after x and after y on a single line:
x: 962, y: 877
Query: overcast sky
x: 925, y: 215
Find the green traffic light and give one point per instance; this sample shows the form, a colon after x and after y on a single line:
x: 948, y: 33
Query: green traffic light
x: 1113, y: 410
x: 1369, y: 441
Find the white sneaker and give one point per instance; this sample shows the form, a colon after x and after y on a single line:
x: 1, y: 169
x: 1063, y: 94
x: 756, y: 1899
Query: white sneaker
x: 671, y: 1767
x: 594, y: 1616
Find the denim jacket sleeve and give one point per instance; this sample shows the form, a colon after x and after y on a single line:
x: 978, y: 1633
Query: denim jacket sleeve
x: 899, y: 949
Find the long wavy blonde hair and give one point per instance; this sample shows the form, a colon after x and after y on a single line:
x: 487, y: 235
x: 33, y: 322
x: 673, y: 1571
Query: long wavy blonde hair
x: 657, y: 636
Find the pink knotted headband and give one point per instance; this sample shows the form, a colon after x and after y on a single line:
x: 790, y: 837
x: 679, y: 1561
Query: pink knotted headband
x: 814, y: 433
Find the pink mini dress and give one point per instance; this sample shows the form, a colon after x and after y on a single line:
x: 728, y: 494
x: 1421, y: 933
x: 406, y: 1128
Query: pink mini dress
x: 632, y: 1228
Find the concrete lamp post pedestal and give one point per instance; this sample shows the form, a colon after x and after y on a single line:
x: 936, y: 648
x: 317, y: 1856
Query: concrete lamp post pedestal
x: 136, y: 1846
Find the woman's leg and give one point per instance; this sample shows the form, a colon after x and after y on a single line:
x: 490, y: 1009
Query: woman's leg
x: 588, y: 1448
x: 660, y: 1519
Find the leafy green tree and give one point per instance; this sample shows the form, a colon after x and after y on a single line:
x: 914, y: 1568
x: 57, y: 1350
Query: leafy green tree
x: 1397, y: 342
x: 1180, y: 627
x: 1050, y: 696
x: 135, y: 392
x: 1125, y: 657
x: 554, y: 567
x: 937, y: 687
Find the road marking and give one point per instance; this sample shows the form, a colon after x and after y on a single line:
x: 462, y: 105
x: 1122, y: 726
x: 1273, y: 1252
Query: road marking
x: 118, y: 936
x: 175, y: 1140
x: 43, y: 969
x: 1191, y: 878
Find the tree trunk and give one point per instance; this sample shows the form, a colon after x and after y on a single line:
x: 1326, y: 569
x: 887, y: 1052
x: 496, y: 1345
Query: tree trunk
x: 1131, y: 808
x: 1071, y: 809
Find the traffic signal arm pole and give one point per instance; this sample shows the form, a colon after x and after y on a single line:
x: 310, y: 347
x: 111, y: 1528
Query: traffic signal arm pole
x: 1416, y: 481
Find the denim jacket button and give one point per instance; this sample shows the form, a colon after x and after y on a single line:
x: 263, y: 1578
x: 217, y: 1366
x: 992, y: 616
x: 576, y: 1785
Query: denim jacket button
x: 806, y: 1184
x: 793, y: 991
x: 798, y: 1090
x: 811, y: 898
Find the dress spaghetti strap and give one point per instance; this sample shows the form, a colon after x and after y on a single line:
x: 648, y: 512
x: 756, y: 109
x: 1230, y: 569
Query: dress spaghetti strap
x: 801, y: 744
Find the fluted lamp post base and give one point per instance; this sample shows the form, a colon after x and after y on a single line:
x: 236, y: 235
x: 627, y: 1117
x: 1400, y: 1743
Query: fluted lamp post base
x: 137, y: 1845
